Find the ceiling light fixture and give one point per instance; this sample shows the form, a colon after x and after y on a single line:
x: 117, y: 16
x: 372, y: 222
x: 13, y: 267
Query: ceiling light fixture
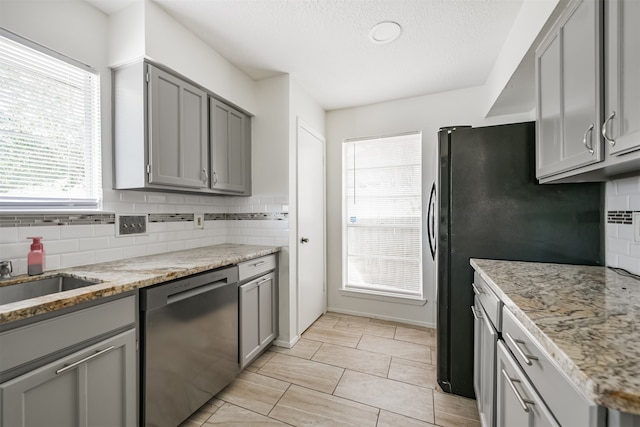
x: 384, y: 32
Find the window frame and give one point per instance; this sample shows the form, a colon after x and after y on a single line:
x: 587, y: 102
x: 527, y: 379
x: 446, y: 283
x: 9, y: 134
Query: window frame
x: 360, y: 292
x: 17, y: 203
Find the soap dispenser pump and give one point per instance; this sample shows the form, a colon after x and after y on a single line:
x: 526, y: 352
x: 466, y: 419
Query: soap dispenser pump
x: 36, y: 257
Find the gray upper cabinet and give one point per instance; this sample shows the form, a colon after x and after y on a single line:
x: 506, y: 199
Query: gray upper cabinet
x: 178, y: 131
x: 568, y: 82
x: 622, y: 86
x: 170, y: 134
x: 230, y: 133
x: 160, y: 130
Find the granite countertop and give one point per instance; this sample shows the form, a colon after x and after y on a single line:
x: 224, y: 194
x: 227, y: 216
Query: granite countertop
x: 587, y: 318
x: 126, y: 275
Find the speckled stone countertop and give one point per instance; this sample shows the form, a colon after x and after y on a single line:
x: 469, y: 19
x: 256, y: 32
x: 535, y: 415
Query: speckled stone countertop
x: 586, y: 318
x: 125, y: 275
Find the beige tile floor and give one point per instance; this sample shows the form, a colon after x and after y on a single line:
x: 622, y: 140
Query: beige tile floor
x: 345, y: 370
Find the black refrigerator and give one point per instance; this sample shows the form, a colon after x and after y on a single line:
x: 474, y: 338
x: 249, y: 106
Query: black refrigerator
x: 491, y: 206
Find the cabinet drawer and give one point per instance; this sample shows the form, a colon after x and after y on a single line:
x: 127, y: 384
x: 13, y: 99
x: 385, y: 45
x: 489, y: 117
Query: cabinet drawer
x: 27, y: 343
x: 489, y: 300
x: 566, y: 402
x: 256, y: 266
x: 517, y: 403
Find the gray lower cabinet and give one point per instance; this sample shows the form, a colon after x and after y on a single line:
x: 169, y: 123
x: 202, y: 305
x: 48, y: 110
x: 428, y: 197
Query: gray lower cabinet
x: 257, y: 317
x: 517, y: 402
x: 75, y: 369
x: 230, y: 133
x: 91, y: 387
x: 568, y: 83
x: 484, y: 365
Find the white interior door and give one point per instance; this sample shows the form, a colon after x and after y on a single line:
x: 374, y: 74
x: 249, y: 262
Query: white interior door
x: 311, y: 234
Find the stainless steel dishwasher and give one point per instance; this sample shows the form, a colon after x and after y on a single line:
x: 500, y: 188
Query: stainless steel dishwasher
x: 189, y: 351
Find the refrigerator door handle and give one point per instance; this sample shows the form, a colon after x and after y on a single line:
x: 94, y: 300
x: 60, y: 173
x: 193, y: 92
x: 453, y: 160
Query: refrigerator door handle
x: 431, y: 221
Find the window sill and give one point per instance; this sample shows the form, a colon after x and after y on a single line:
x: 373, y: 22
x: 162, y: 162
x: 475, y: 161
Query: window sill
x: 382, y: 297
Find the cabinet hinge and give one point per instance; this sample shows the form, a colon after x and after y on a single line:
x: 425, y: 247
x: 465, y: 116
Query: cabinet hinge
x: 148, y: 77
x: 148, y: 168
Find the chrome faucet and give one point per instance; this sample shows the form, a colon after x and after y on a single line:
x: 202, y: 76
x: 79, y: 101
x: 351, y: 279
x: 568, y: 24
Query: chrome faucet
x: 5, y: 270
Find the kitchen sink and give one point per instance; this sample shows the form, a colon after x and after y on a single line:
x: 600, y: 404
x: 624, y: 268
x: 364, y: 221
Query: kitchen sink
x: 41, y: 287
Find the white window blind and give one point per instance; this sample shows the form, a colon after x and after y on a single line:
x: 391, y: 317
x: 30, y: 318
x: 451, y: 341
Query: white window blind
x: 382, y: 189
x: 49, y: 129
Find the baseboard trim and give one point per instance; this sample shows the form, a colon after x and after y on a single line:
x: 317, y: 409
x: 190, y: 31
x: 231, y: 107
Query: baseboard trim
x: 286, y: 344
x: 377, y: 316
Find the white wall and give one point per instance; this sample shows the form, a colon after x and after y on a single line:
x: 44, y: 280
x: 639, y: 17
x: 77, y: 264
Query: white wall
x: 623, y: 196
x: 426, y: 114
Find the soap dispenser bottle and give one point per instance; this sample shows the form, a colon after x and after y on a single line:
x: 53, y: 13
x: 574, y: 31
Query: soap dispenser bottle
x: 35, y: 259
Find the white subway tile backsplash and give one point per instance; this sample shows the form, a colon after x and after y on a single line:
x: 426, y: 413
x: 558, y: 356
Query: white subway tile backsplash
x: 47, y: 233
x: 61, y: 246
x: 628, y: 186
x: 8, y: 235
x: 622, y: 199
x: 105, y: 255
x: 77, y: 231
x: 75, y: 259
x: 85, y: 239
x: 132, y: 196
x: 93, y: 243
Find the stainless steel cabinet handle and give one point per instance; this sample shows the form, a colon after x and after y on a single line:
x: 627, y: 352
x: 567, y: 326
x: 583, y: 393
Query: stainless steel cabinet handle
x: 215, y: 178
x: 584, y: 140
x: 86, y: 359
x: 514, y: 342
x: 611, y: 141
x: 206, y: 175
x: 475, y: 289
x: 476, y: 315
x: 304, y: 240
x: 523, y: 402
x: 257, y: 264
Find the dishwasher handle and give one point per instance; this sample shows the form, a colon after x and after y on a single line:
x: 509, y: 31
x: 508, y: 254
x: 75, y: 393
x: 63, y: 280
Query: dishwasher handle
x: 170, y: 292
x: 179, y: 296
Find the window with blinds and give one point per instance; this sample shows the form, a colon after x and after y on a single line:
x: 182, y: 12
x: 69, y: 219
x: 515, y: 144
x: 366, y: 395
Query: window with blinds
x: 382, y: 193
x: 49, y: 129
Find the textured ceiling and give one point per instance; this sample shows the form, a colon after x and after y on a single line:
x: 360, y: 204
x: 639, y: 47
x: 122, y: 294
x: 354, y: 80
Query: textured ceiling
x: 445, y: 44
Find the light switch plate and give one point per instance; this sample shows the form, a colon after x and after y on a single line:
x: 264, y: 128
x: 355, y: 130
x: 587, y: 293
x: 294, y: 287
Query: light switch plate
x: 131, y: 225
x: 636, y: 227
x: 198, y: 220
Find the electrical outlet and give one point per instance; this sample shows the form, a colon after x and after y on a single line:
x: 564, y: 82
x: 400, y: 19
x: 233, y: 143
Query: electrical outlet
x: 636, y: 227
x: 198, y: 220
x: 131, y: 224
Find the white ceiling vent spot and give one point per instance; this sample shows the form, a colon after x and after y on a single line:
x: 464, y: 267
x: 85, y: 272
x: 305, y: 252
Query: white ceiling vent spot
x: 384, y: 32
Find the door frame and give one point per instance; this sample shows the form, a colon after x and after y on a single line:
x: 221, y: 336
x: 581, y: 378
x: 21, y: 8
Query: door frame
x: 301, y: 124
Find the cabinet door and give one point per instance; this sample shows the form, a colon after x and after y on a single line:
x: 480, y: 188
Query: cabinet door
x: 477, y: 351
x: 92, y: 387
x: 517, y: 403
x: 487, y: 372
x: 568, y: 76
x: 622, y: 86
x: 229, y: 148
x: 266, y: 288
x: 257, y: 316
x: 177, y: 131
x: 249, y: 322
